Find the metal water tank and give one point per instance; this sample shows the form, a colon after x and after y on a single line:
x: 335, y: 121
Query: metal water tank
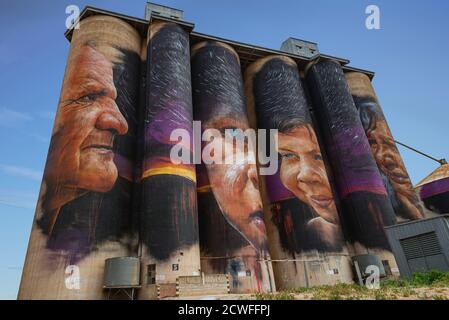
x: 121, y: 272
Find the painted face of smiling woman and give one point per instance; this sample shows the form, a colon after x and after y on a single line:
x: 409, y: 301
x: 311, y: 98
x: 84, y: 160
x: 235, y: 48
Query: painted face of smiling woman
x: 81, y: 155
x: 303, y: 172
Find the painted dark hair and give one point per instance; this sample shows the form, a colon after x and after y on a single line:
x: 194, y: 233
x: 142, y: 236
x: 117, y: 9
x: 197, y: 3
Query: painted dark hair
x: 168, y: 74
x: 219, y: 240
x: 169, y: 220
x: 84, y: 223
x: 217, y: 237
x: 369, y: 112
x: 217, y: 80
x: 168, y: 84
x: 366, y: 214
x: 327, y: 85
x: 291, y: 217
x: 169, y: 209
x: 126, y: 76
x: 279, y: 97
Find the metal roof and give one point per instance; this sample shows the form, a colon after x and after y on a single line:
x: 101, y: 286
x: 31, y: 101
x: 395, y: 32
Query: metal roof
x: 141, y: 25
x: 439, y: 216
x: 248, y: 53
x: 442, y: 172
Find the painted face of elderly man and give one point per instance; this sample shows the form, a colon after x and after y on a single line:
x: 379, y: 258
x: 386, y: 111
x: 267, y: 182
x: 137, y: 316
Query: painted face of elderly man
x: 389, y: 160
x: 81, y: 157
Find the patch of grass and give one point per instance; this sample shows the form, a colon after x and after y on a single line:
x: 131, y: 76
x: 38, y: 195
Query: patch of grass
x: 406, y: 292
x: 380, y: 295
x: 432, y: 278
x: 335, y: 296
x: 338, y: 292
x: 300, y: 290
x: 389, y: 290
x: 394, y: 283
x: 275, y: 296
x: 345, y: 289
x: 423, y: 296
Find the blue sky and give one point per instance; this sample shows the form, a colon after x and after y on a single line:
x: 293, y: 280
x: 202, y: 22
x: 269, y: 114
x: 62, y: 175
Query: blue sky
x: 409, y: 55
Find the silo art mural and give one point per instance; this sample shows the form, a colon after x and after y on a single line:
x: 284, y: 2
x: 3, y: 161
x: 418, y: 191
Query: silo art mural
x: 403, y: 197
x: 169, y: 223
x: 161, y: 151
x: 232, y: 230
x: 301, y: 201
x: 365, y: 204
x: 84, y: 211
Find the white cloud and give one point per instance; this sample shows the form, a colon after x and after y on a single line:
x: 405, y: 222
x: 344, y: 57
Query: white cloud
x: 49, y: 115
x: 11, y: 118
x: 18, y: 198
x: 21, y: 205
x: 21, y: 172
x: 39, y: 137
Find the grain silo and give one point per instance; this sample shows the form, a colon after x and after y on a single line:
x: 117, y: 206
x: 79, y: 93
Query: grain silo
x: 365, y: 206
x: 403, y: 197
x: 84, y: 213
x: 124, y: 203
x: 232, y: 230
x: 169, y: 221
x: 306, y: 239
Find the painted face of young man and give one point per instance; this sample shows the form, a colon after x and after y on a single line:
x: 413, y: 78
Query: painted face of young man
x: 88, y: 118
x: 303, y: 172
x: 235, y: 183
x: 390, y: 163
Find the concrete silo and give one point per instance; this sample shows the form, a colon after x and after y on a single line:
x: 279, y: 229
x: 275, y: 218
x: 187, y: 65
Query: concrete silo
x: 365, y: 206
x: 306, y: 240
x: 84, y: 212
x: 169, y: 221
x: 403, y: 197
x: 122, y: 178
x: 232, y: 230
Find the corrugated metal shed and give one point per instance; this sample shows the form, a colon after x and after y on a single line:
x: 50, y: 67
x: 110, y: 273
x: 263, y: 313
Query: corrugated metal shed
x: 420, y: 245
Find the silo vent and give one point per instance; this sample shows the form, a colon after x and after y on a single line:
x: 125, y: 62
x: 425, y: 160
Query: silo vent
x: 164, y: 11
x: 300, y: 47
